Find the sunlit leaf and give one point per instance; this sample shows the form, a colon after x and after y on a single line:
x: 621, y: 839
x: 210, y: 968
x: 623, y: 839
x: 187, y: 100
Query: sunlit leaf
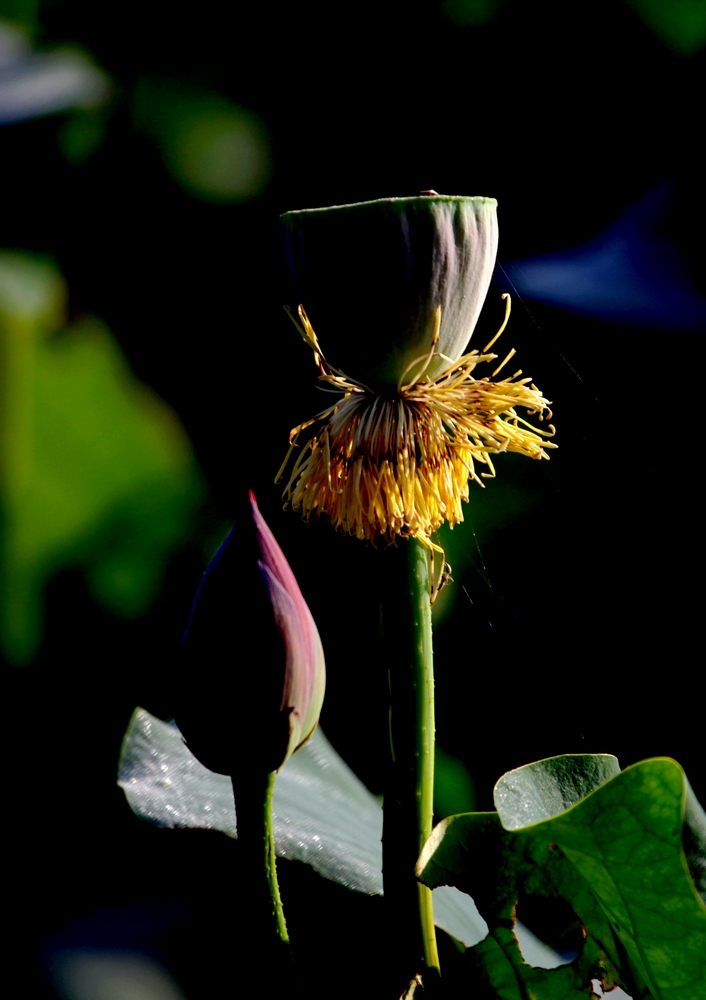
x: 616, y: 856
x: 323, y: 814
x: 546, y: 788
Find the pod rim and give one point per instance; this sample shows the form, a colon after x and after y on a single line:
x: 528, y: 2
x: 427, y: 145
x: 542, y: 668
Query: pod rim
x: 393, y: 201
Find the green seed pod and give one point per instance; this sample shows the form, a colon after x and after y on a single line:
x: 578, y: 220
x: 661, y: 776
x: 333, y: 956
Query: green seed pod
x: 374, y: 278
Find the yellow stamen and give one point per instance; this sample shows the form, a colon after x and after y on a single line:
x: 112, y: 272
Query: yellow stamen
x: 506, y: 296
x: 426, y: 358
x: 383, y: 468
x: 512, y: 354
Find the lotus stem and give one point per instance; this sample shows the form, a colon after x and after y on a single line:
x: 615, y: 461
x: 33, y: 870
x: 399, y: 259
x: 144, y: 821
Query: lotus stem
x: 409, y: 793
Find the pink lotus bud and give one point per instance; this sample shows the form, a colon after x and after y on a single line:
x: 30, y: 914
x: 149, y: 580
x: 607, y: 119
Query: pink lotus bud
x: 252, y: 675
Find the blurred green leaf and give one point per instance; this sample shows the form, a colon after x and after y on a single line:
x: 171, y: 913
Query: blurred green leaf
x: 217, y: 150
x: 616, y: 857
x: 471, y: 13
x: 96, y: 470
x: 453, y: 785
x: 81, y: 133
x: 681, y: 24
x: 21, y: 13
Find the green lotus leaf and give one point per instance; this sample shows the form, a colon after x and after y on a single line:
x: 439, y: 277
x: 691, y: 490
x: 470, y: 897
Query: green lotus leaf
x: 625, y: 857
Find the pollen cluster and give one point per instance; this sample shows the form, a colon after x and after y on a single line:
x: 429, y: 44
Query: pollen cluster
x: 385, y: 467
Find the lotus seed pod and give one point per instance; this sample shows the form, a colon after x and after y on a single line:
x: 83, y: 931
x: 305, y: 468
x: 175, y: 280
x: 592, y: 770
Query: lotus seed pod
x: 373, y: 276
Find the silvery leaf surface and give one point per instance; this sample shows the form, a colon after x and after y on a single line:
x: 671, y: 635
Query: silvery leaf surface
x: 538, y: 791
x: 323, y: 814
x: 457, y: 914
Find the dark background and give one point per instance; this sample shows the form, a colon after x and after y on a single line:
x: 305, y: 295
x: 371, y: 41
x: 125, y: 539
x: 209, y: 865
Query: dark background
x: 575, y: 624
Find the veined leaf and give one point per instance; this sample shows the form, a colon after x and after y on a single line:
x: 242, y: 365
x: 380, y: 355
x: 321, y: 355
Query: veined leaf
x: 616, y: 856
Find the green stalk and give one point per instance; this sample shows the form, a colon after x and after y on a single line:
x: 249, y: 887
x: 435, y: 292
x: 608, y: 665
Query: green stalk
x: 263, y: 927
x: 409, y: 794
x: 271, y: 861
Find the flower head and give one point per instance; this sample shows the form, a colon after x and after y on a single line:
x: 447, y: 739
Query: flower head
x: 395, y: 287
x: 252, y: 674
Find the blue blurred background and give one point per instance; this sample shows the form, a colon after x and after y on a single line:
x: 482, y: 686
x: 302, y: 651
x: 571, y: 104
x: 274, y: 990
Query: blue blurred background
x: 149, y: 375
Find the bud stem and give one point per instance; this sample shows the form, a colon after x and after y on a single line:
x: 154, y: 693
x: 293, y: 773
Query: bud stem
x: 271, y: 861
x: 265, y: 924
x: 409, y: 794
